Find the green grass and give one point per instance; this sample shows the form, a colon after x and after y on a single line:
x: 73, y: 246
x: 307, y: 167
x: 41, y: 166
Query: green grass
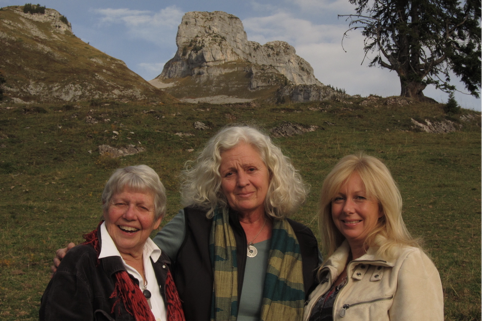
x: 51, y: 177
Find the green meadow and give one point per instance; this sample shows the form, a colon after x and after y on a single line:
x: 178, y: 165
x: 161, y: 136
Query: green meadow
x: 52, y: 176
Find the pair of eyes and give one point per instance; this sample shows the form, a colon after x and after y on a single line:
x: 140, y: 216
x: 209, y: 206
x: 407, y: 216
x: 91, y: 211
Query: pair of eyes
x: 342, y: 198
x: 231, y: 173
x: 141, y: 207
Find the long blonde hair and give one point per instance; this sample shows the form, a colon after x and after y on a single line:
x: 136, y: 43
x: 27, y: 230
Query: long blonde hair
x: 380, y: 185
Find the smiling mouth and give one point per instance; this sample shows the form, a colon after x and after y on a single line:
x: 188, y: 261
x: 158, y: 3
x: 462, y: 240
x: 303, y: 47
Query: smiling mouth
x: 128, y: 229
x: 351, y: 222
x: 244, y: 195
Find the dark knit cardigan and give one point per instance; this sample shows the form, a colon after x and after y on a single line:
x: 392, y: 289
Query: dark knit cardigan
x: 80, y: 289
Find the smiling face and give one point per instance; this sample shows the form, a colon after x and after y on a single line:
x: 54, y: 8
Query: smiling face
x: 130, y: 220
x: 354, y: 214
x: 244, y: 179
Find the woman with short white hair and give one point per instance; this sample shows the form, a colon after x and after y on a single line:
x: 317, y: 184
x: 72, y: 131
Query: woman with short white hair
x: 119, y: 272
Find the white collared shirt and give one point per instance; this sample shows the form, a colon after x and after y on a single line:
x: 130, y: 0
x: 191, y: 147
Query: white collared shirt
x: 151, y: 250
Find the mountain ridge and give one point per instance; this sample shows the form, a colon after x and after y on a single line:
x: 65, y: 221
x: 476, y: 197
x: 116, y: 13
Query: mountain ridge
x: 42, y: 60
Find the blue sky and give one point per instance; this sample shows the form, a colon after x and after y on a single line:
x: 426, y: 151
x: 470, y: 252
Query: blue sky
x: 142, y: 33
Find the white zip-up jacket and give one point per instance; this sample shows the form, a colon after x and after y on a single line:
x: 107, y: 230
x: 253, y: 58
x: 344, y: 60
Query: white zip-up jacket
x: 407, y: 287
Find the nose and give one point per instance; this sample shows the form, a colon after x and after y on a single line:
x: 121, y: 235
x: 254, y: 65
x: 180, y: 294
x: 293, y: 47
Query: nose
x: 130, y: 213
x: 242, y: 179
x: 349, y: 206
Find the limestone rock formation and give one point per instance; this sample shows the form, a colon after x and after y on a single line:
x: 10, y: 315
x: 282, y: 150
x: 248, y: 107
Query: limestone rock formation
x: 437, y: 127
x: 43, y: 61
x: 214, y: 57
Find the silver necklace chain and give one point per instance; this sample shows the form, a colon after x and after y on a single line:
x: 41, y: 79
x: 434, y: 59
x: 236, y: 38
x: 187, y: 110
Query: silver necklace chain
x: 252, y: 250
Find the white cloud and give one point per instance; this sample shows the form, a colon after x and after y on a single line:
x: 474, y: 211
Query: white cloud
x: 156, y: 27
x: 262, y: 6
x: 335, y: 67
x: 280, y: 27
x: 338, y: 6
x: 320, y: 45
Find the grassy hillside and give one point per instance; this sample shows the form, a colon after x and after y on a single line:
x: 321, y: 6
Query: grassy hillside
x: 52, y: 176
x: 42, y: 60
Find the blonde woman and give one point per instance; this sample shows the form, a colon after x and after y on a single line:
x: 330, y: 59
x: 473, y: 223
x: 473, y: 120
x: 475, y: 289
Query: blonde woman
x: 375, y: 269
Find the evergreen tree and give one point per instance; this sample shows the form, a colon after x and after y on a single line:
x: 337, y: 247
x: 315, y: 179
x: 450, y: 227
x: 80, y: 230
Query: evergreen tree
x: 423, y: 41
x: 452, y: 107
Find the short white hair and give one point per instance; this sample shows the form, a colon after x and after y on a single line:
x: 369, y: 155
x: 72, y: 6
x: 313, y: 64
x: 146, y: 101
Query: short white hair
x: 139, y: 178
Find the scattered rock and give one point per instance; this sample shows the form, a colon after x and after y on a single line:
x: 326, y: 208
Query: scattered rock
x: 290, y: 129
x: 445, y: 126
x: 371, y: 100
x: 200, y: 125
x: 400, y: 101
x: 120, y: 152
x: 467, y: 118
x: 90, y: 120
x: 184, y: 134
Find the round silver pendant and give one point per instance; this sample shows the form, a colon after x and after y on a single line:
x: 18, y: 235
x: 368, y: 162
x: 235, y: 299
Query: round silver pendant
x: 252, y: 251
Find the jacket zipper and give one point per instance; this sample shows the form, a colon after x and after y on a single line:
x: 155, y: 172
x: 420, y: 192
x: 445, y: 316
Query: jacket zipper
x: 347, y: 306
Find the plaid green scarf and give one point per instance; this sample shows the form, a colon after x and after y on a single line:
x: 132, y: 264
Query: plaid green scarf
x: 283, y: 292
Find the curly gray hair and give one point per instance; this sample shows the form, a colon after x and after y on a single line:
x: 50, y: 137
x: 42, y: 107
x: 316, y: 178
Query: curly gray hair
x: 201, y: 185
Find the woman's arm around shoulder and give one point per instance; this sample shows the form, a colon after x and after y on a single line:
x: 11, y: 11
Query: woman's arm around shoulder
x: 419, y: 294
x: 171, y: 236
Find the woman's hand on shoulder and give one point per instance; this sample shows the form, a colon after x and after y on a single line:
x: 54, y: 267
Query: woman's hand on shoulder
x: 59, y: 255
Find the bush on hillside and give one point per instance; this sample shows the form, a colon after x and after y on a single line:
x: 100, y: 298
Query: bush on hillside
x: 64, y: 20
x: 32, y: 8
x: 338, y: 90
x: 452, y: 107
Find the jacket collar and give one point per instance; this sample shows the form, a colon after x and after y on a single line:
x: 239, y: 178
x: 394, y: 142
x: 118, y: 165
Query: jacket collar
x: 337, y: 261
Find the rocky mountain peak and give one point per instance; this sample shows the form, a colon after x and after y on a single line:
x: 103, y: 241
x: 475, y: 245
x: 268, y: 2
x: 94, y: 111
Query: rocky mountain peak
x: 211, y: 38
x: 217, y: 58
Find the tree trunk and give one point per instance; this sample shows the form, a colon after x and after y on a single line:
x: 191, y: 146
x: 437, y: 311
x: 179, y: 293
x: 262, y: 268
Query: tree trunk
x: 412, y: 89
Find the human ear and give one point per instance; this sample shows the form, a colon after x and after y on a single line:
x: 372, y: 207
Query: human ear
x: 157, y: 223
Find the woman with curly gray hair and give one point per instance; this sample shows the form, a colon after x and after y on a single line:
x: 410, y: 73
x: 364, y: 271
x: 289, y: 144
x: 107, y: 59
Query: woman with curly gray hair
x: 237, y: 255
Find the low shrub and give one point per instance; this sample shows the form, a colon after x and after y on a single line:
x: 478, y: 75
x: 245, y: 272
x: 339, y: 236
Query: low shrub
x: 32, y: 8
x: 64, y: 20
